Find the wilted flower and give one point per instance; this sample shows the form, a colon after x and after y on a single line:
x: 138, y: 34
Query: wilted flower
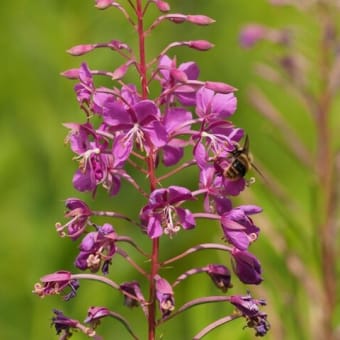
x: 249, y: 308
x: 94, y: 314
x: 64, y: 325
x: 220, y: 275
x: 133, y: 295
x: 55, y: 283
x: 79, y: 213
x: 97, y: 249
x: 165, y: 296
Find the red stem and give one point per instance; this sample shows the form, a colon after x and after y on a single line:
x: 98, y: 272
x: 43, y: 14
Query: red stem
x: 142, y: 68
x: 141, y: 41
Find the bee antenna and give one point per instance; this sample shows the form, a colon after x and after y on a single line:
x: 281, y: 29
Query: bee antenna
x: 258, y: 171
x: 246, y: 144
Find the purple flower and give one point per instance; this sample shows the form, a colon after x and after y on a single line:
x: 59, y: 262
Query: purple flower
x: 97, y: 164
x: 247, y: 267
x: 85, y: 88
x: 165, y: 296
x: 133, y: 295
x: 162, y: 213
x: 215, y: 200
x: 214, y: 144
x: 79, y: 213
x: 214, y: 106
x: 220, y: 275
x: 249, y: 308
x: 55, y: 283
x: 140, y: 123
x: 176, y: 122
x: 172, y: 75
x: 238, y: 227
x: 97, y: 249
x: 63, y: 324
x: 94, y: 314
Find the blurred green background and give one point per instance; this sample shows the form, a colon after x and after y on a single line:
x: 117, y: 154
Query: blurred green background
x: 36, y: 168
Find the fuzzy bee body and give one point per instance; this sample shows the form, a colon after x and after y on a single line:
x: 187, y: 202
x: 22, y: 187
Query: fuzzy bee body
x: 240, y: 162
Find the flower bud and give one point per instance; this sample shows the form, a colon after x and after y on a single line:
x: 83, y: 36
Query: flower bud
x: 219, y: 87
x: 119, y: 72
x: 246, y: 267
x: 200, y: 19
x: 162, y: 5
x: 103, y: 4
x: 177, y: 18
x: 72, y: 73
x: 201, y: 45
x: 81, y: 49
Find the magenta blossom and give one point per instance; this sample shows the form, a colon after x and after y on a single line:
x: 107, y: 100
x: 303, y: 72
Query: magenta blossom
x: 163, y: 214
x: 140, y: 124
x: 214, y: 106
x: 97, y: 249
x: 247, y: 267
x: 176, y: 124
x: 97, y: 164
x: 239, y: 229
x: 79, y: 213
x: 85, y: 88
x: 172, y: 75
x: 165, y: 296
x: 55, y: 283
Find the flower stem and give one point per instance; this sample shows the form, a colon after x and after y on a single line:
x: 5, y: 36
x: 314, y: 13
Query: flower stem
x: 142, y: 68
x: 326, y: 176
x: 203, y: 246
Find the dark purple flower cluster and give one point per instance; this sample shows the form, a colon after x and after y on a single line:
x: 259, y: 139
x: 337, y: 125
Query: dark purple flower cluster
x: 128, y: 127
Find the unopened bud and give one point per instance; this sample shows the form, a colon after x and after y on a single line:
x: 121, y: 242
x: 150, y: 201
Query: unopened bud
x: 119, y: 72
x: 201, y: 45
x: 200, y: 19
x: 118, y: 45
x: 103, y: 4
x: 72, y: 73
x: 162, y: 5
x: 81, y: 49
x: 219, y: 87
x: 177, y: 18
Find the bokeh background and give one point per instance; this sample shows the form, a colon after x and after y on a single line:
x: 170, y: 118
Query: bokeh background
x: 36, y: 168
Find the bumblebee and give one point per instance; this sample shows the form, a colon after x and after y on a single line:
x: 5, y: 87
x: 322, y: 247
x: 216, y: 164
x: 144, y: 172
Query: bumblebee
x: 240, y: 162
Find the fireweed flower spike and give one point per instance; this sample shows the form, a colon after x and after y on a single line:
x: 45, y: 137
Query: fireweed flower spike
x: 142, y: 131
